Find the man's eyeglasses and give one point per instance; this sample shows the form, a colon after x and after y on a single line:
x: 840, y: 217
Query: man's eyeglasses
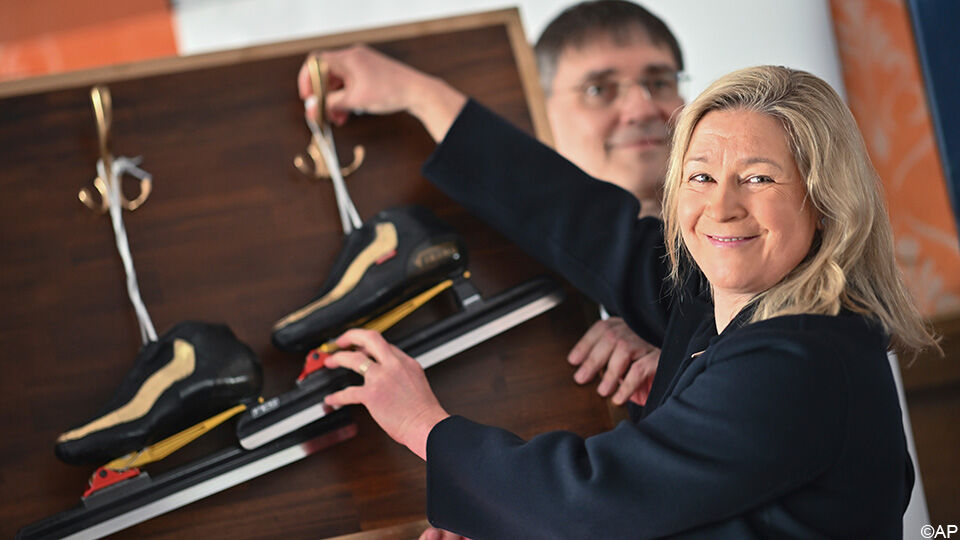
x: 660, y: 87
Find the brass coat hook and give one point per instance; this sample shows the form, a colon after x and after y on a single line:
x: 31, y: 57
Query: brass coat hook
x: 318, y: 76
x: 320, y: 169
x: 107, y: 179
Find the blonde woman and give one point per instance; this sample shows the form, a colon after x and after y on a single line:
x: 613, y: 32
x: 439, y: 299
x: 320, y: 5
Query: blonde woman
x: 773, y: 413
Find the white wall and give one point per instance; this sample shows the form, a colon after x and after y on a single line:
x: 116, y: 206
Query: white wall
x: 716, y: 37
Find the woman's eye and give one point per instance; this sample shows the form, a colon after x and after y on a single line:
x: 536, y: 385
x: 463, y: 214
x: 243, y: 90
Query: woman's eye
x: 700, y: 178
x: 759, y: 179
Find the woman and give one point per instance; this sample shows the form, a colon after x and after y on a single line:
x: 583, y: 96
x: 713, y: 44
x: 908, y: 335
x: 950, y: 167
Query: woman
x: 773, y: 413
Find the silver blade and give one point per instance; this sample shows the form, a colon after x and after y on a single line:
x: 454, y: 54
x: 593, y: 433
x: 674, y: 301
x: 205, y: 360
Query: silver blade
x: 426, y: 359
x: 287, y: 425
x: 488, y: 330
x: 204, y: 489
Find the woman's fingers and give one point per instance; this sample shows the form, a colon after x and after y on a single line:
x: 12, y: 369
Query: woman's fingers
x: 336, y: 111
x: 372, y: 343
x: 351, y: 395
x: 334, y: 85
x: 363, y: 79
x: 440, y: 534
x: 430, y: 534
x: 337, y: 106
x: 352, y: 360
x: 303, y: 82
x: 395, y: 390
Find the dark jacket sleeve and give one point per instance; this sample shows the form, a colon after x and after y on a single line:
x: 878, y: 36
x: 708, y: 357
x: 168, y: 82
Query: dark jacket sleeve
x: 585, y: 229
x: 744, y: 432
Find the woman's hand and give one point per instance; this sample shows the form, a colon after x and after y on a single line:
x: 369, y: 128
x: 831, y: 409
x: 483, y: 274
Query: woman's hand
x: 395, y: 390
x: 627, y: 361
x: 439, y: 534
x: 364, y: 80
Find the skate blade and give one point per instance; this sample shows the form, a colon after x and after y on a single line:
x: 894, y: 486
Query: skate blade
x: 293, y: 409
x: 479, y: 321
x: 141, y: 498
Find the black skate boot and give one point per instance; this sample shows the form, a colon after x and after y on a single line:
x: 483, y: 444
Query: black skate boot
x: 398, y: 253
x: 191, y: 373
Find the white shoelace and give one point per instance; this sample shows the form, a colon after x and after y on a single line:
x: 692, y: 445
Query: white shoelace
x: 349, y: 217
x: 124, y: 165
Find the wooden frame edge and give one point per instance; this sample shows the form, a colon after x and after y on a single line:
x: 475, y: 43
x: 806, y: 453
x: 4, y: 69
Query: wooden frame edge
x: 145, y: 68
x: 529, y: 78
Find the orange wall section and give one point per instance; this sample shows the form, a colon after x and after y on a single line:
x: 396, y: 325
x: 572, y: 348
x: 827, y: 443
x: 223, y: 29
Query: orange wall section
x: 886, y: 95
x: 50, y: 36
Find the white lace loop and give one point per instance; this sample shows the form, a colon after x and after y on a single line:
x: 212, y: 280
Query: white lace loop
x: 124, y: 165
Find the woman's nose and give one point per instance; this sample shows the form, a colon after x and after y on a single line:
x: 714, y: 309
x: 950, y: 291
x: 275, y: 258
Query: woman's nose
x: 724, y: 202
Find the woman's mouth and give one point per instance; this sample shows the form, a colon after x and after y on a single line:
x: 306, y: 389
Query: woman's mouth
x: 729, y: 241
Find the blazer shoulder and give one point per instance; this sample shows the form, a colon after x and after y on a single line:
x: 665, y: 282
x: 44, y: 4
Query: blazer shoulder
x: 818, y: 345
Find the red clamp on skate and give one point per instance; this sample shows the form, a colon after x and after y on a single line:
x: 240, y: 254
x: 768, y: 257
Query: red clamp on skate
x: 104, y: 477
x: 314, y: 362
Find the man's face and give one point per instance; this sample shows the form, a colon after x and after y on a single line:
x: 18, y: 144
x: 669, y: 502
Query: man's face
x: 605, y: 123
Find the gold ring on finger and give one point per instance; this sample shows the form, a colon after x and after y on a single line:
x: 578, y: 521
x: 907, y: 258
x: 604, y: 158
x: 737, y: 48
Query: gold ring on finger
x: 362, y: 368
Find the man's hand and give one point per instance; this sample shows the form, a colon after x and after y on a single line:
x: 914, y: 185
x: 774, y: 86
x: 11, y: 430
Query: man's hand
x: 627, y: 361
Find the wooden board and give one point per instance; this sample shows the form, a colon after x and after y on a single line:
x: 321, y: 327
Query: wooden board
x: 233, y: 233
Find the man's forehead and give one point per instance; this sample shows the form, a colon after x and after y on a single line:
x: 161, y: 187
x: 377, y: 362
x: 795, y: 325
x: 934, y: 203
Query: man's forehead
x: 603, y: 52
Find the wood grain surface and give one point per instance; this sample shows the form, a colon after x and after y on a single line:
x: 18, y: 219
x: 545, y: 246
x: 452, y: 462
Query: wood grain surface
x: 932, y: 386
x: 234, y: 233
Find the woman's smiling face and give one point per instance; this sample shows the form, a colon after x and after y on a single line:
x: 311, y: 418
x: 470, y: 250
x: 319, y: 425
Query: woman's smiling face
x: 742, y: 204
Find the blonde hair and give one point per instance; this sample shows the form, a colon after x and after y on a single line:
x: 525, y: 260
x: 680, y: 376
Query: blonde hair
x: 851, y: 262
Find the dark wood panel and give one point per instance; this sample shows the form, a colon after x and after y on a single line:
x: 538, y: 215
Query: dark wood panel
x: 233, y: 233
x: 932, y: 386
x: 934, y: 417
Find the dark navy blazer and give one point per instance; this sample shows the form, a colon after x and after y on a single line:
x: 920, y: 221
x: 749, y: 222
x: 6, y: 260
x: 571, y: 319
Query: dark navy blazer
x: 785, y: 428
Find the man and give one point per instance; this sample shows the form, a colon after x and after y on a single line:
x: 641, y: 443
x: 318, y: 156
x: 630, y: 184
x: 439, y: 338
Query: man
x: 609, y: 70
